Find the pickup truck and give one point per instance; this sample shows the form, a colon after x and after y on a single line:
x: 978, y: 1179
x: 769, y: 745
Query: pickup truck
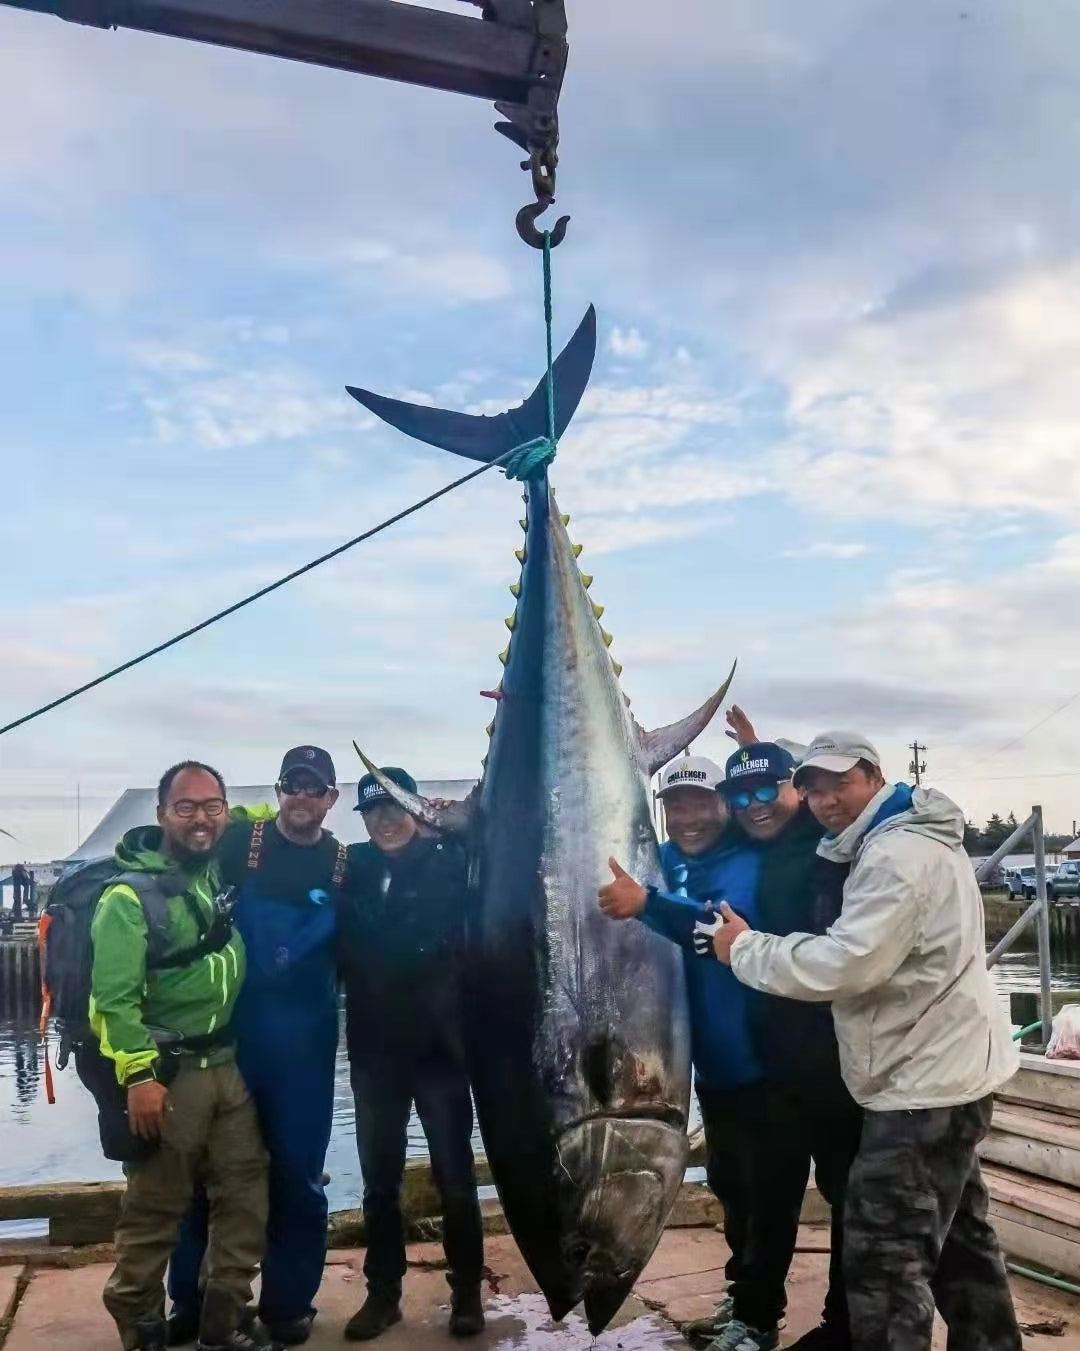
x: 1066, y: 881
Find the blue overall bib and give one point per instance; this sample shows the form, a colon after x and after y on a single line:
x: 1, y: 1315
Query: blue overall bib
x: 286, y: 1026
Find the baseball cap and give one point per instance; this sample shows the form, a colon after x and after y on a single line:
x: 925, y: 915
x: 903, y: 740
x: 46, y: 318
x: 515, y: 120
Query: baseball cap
x: 837, y: 752
x: 370, y: 792
x: 692, y: 771
x: 315, y: 760
x: 762, y: 760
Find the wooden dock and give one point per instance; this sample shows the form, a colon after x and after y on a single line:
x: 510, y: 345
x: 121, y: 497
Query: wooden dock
x: 20, y: 971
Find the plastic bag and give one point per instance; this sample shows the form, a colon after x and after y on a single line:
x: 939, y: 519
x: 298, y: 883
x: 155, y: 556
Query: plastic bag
x: 1065, y: 1035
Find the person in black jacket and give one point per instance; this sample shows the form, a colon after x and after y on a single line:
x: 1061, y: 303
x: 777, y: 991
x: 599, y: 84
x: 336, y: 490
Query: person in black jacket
x: 811, y: 1114
x: 402, y: 931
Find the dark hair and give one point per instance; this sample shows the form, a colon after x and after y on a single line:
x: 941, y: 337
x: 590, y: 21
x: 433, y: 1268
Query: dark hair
x: 869, y: 769
x: 168, y: 778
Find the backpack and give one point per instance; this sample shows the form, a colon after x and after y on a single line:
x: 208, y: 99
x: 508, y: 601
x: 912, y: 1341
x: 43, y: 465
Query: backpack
x: 67, y: 950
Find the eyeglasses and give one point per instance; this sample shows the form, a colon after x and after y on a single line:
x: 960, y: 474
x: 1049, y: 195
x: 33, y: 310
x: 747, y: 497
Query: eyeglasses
x: 304, y: 788
x: 764, y: 792
x: 186, y: 807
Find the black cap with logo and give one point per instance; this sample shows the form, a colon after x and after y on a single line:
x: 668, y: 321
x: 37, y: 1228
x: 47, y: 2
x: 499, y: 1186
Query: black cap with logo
x: 370, y: 792
x: 314, y: 760
x: 763, y: 760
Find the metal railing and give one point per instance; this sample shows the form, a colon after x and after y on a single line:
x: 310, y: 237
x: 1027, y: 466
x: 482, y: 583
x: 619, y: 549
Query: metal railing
x: 1038, y: 912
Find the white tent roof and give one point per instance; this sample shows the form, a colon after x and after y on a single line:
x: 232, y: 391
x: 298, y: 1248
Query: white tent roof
x: 138, y: 807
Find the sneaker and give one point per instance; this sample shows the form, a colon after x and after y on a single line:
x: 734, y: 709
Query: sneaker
x: 739, y: 1336
x: 825, y: 1337
x: 466, y: 1312
x: 375, y: 1315
x: 226, y: 1326
x: 705, y: 1329
x: 150, y: 1335
x: 290, y: 1331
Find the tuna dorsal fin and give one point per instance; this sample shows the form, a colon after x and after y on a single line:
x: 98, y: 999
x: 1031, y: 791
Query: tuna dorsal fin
x: 665, y: 743
x: 486, y: 438
x: 455, y: 818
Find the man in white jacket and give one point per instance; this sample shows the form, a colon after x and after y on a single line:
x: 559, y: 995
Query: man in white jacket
x: 923, y: 1041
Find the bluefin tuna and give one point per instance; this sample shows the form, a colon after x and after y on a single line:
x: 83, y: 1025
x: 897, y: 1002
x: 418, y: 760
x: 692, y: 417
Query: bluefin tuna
x: 577, y: 1024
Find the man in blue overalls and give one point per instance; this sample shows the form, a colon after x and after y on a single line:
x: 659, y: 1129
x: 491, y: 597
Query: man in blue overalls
x: 287, y: 869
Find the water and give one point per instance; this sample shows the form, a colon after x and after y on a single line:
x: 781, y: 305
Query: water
x: 60, y: 1144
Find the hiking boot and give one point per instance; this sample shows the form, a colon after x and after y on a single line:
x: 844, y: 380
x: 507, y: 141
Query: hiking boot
x: 377, y: 1313
x: 466, y: 1312
x: 290, y: 1331
x: 739, y: 1336
x: 182, y: 1326
x: 149, y: 1334
x: 825, y: 1337
x: 705, y: 1329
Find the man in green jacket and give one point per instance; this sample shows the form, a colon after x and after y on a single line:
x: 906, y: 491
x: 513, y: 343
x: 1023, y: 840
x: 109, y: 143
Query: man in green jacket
x: 160, y: 1005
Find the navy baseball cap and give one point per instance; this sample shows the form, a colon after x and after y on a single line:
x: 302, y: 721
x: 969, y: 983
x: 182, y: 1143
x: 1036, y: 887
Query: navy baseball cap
x: 315, y: 760
x: 762, y: 760
x: 370, y: 792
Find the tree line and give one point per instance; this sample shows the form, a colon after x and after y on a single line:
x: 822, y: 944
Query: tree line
x: 981, y: 843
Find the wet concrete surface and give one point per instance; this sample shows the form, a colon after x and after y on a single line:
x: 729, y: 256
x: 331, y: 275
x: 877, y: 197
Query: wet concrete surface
x: 60, y: 1310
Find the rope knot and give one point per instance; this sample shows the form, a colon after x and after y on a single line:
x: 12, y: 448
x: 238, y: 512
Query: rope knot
x: 531, y: 459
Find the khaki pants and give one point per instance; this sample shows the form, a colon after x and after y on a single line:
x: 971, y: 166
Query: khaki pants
x: 211, y: 1135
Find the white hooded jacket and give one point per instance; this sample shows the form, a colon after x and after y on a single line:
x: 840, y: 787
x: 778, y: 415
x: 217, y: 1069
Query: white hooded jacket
x: 917, y: 1018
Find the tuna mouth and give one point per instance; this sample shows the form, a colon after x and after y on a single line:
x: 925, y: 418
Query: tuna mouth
x: 618, y: 1179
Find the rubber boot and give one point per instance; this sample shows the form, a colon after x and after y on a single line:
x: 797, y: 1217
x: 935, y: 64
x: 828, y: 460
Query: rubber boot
x: 182, y: 1326
x: 377, y: 1313
x: 466, y: 1312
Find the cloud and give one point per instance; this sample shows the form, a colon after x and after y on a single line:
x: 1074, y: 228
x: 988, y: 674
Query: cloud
x: 628, y: 344
x: 828, y: 549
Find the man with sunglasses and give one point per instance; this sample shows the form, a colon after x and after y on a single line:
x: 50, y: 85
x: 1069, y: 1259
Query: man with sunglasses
x: 810, y: 1114
x: 287, y: 870
x: 160, y: 1008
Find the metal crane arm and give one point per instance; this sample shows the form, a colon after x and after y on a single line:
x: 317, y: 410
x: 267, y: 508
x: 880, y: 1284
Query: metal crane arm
x: 514, y: 54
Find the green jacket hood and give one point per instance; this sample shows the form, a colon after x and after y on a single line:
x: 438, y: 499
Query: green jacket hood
x: 140, y: 851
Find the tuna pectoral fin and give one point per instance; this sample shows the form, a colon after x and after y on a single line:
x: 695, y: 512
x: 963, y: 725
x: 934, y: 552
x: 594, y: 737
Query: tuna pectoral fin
x: 486, y: 438
x: 455, y: 817
x: 665, y: 743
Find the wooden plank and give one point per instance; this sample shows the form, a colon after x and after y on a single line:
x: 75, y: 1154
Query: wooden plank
x: 1048, y: 1084
x: 1039, y: 1197
x: 999, y: 1210
x: 1031, y: 1246
x: 1037, y: 1123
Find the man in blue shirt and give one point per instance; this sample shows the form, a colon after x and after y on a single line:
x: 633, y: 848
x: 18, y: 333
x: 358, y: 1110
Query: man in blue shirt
x: 706, y: 862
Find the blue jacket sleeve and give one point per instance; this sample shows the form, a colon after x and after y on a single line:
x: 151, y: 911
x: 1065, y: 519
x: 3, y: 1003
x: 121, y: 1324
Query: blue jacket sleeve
x: 673, y: 916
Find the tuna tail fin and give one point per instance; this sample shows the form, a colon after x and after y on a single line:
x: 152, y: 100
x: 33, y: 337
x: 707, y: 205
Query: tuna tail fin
x: 486, y: 438
x: 665, y: 743
x: 454, y: 818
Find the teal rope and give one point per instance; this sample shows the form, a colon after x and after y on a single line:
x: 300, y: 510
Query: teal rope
x: 531, y: 459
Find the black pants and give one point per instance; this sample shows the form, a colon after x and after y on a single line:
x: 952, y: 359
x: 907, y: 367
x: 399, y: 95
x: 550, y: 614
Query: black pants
x: 760, y: 1140
x: 918, y: 1235
x: 384, y: 1091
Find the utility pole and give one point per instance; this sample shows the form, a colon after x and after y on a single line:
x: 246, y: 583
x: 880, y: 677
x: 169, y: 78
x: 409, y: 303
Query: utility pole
x: 917, y: 766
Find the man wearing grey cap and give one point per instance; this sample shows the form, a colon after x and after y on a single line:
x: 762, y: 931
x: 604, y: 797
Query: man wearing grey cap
x: 924, y: 1044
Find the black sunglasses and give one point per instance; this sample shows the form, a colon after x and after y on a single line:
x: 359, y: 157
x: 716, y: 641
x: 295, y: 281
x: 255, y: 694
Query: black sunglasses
x: 303, y: 786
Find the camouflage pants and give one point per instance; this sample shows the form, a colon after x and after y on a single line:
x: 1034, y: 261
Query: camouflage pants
x: 916, y: 1235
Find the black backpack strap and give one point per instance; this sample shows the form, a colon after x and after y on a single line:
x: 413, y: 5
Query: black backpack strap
x: 255, y: 847
x: 153, y: 893
x: 337, y: 881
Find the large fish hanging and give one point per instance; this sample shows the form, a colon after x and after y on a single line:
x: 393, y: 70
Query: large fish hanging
x: 577, y: 1023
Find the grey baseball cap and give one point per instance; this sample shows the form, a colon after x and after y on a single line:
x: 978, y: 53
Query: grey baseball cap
x: 837, y: 752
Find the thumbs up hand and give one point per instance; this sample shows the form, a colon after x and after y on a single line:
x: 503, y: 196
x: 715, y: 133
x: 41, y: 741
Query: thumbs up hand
x: 622, y: 898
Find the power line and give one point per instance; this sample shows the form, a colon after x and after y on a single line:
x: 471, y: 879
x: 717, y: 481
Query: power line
x: 1016, y: 740
x: 255, y: 595
x: 917, y: 766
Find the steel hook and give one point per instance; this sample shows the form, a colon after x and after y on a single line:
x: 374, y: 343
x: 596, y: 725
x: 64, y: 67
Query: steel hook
x: 526, y: 225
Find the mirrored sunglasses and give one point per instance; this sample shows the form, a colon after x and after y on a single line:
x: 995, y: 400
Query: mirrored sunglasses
x: 764, y: 792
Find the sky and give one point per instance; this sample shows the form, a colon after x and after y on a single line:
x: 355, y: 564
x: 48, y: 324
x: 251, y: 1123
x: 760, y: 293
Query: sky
x: 831, y: 431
